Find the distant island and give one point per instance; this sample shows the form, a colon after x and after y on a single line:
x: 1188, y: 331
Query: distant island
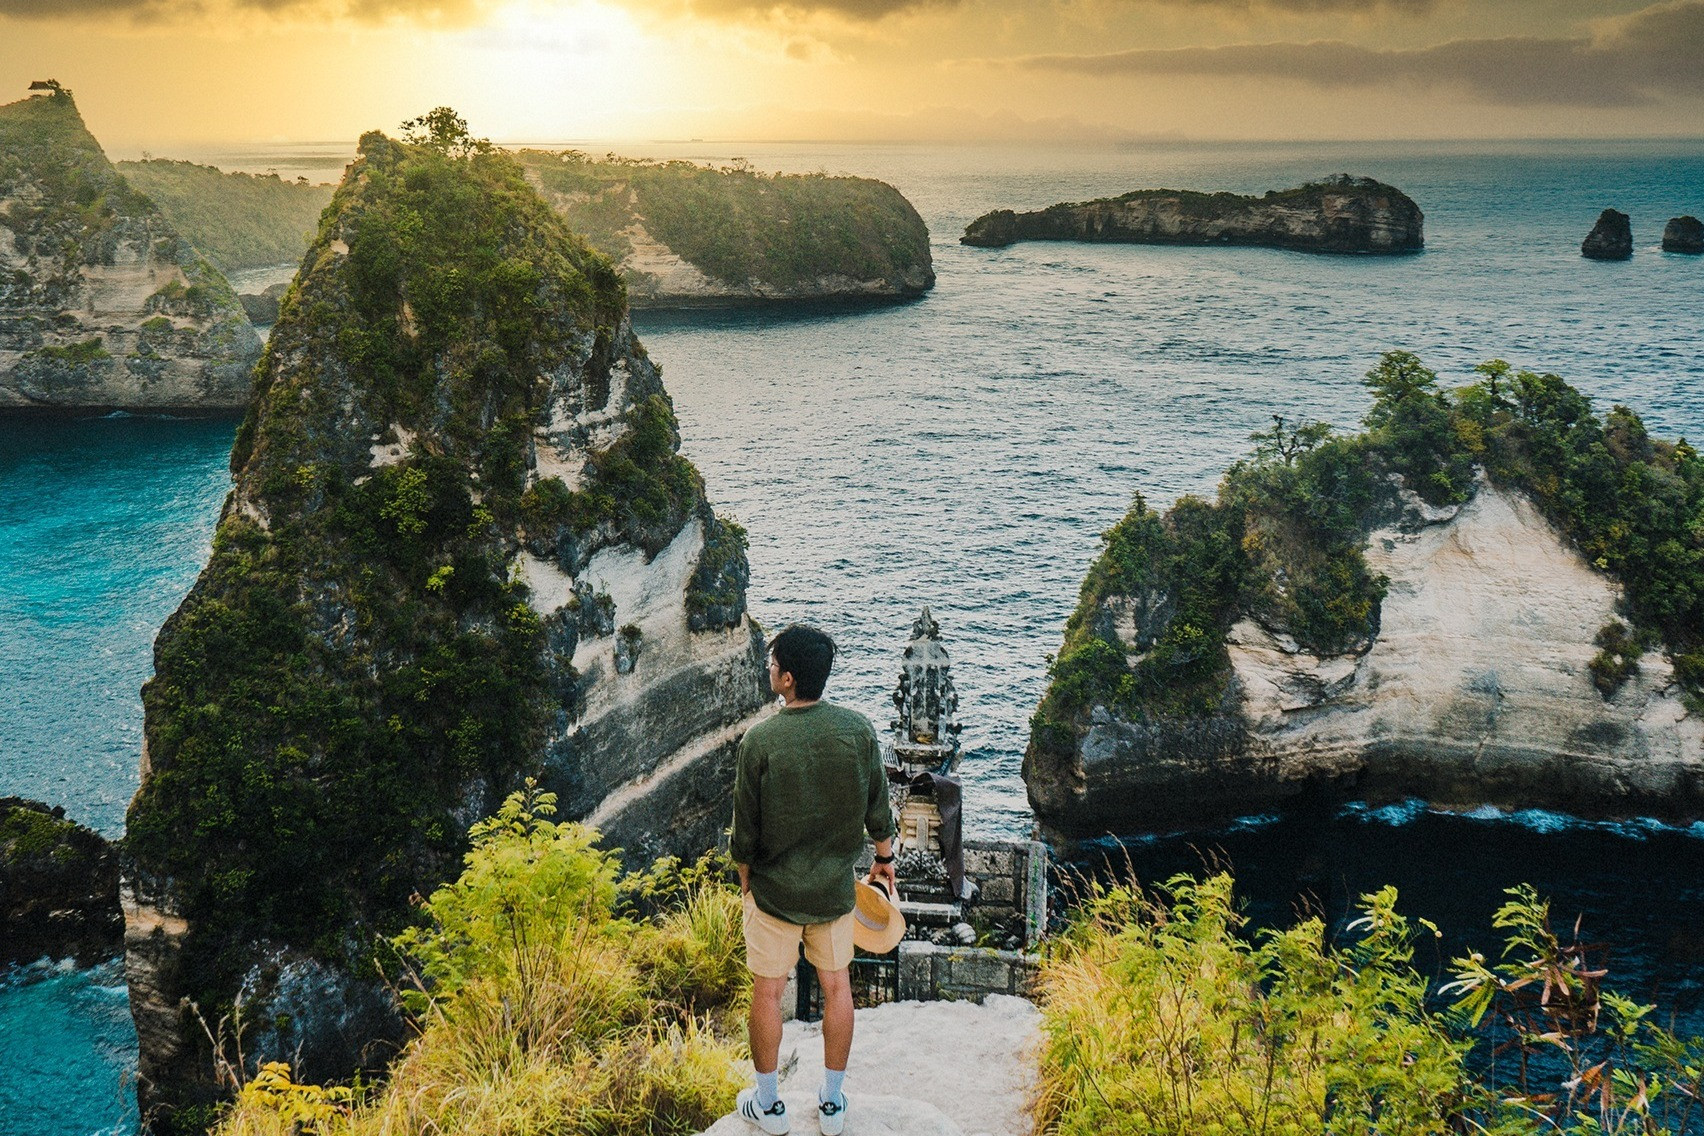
x: 686, y: 235
x: 238, y: 221
x: 1342, y: 214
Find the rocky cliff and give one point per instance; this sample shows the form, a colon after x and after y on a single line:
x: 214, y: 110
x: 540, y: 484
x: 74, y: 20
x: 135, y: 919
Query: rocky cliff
x: 1529, y: 637
x: 1340, y: 215
x: 103, y: 306
x: 58, y: 887
x: 461, y: 550
x: 684, y: 235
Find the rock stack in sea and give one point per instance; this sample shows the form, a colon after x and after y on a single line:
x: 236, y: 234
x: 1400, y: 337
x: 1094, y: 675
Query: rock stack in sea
x: 1367, y: 617
x: 458, y: 477
x: 103, y: 306
x: 1610, y: 239
x: 1684, y: 234
x: 1342, y: 214
x: 58, y: 887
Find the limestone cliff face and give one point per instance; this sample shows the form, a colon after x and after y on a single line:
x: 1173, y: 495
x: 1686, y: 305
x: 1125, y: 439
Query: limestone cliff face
x: 684, y: 235
x: 1475, y: 690
x: 1342, y: 215
x: 461, y: 550
x: 102, y: 305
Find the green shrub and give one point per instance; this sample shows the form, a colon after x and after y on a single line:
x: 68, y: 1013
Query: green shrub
x: 76, y: 354
x: 1161, y: 1015
x: 547, y: 1002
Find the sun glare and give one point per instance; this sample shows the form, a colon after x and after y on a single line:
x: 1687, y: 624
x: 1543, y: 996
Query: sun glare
x: 539, y: 72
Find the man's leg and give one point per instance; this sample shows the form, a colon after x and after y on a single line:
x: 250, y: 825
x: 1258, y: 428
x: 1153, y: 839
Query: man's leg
x: 836, y: 1017
x: 763, y: 1026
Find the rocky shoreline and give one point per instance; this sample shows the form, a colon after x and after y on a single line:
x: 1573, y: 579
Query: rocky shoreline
x: 1340, y: 215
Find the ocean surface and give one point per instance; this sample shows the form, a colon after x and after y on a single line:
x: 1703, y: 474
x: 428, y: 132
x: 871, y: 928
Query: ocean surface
x: 962, y: 452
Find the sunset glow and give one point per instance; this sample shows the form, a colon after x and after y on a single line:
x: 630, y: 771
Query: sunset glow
x: 162, y: 73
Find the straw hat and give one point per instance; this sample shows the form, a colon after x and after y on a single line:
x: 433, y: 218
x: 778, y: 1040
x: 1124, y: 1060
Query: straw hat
x: 877, y: 923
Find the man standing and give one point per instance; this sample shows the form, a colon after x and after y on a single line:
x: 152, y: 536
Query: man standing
x: 808, y: 785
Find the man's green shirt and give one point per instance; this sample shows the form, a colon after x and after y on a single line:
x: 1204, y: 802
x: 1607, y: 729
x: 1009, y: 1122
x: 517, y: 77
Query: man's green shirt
x: 809, y: 783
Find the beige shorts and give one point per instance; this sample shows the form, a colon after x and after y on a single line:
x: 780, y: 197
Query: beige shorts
x: 772, y: 945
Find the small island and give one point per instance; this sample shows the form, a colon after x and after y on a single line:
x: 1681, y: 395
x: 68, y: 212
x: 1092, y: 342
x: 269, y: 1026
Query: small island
x: 1342, y: 214
x: 1489, y: 596
x: 685, y: 235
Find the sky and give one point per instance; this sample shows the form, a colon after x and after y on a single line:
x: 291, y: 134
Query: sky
x: 165, y: 75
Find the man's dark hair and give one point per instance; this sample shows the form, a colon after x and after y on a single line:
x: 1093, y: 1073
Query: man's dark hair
x: 805, y: 653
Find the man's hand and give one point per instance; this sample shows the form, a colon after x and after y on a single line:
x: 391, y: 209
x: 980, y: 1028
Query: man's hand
x: 745, y: 878
x: 884, y: 872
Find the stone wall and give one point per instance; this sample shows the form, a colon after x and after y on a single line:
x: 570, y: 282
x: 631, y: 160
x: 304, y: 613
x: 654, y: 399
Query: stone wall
x: 931, y: 973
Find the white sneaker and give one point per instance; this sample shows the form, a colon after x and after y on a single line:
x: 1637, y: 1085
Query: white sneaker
x: 772, y: 1120
x: 831, y: 1117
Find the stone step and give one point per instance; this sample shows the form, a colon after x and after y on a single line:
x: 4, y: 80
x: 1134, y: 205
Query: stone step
x: 866, y: 1115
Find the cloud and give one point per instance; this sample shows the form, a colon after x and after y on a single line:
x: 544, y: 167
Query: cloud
x: 431, y: 12
x: 861, y: 11
x: 464, y: 11
x: 1630, y: 61
x: 1309, y: 7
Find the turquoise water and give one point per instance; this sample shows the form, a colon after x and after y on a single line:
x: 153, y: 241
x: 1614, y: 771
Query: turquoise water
x: 67, y: 1052
x: 964, y: 451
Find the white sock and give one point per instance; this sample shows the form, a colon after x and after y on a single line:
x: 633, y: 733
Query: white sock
x: 831, y: 1081
x: 768, y: 1090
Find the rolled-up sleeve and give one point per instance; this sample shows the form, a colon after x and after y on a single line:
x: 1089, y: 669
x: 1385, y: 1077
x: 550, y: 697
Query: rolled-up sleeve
x: 742, y: 844
x: 878, y: 814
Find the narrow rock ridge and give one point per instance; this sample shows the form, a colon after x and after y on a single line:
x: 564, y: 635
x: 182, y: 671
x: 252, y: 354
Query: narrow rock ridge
x: 1340, y: 215
x: 103, y: 306
x: 1475, y: 691
x: 461, y: 550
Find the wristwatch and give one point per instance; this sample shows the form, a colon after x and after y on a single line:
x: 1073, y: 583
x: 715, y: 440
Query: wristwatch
x: 884, y: 859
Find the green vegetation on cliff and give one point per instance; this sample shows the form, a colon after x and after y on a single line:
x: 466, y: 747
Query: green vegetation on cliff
x: 1163, y: 1016
x: 355, y: 668
x: 736, y: 225
x: 546, y: 1002
x: 1283, y: 542
x: 237, y: 220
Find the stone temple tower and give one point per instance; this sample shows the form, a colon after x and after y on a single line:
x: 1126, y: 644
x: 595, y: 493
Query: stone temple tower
x: 925, y: 734
x: 922, y: 775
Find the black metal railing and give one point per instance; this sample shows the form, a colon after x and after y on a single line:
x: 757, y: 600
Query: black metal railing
x: 875, y: 979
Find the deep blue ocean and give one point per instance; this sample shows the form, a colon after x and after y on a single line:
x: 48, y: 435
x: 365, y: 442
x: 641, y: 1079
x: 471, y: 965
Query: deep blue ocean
x: 964, y: 451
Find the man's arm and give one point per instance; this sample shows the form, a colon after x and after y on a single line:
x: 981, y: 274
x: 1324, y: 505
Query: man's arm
x: 878, y: 816
x: 742, y: 843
